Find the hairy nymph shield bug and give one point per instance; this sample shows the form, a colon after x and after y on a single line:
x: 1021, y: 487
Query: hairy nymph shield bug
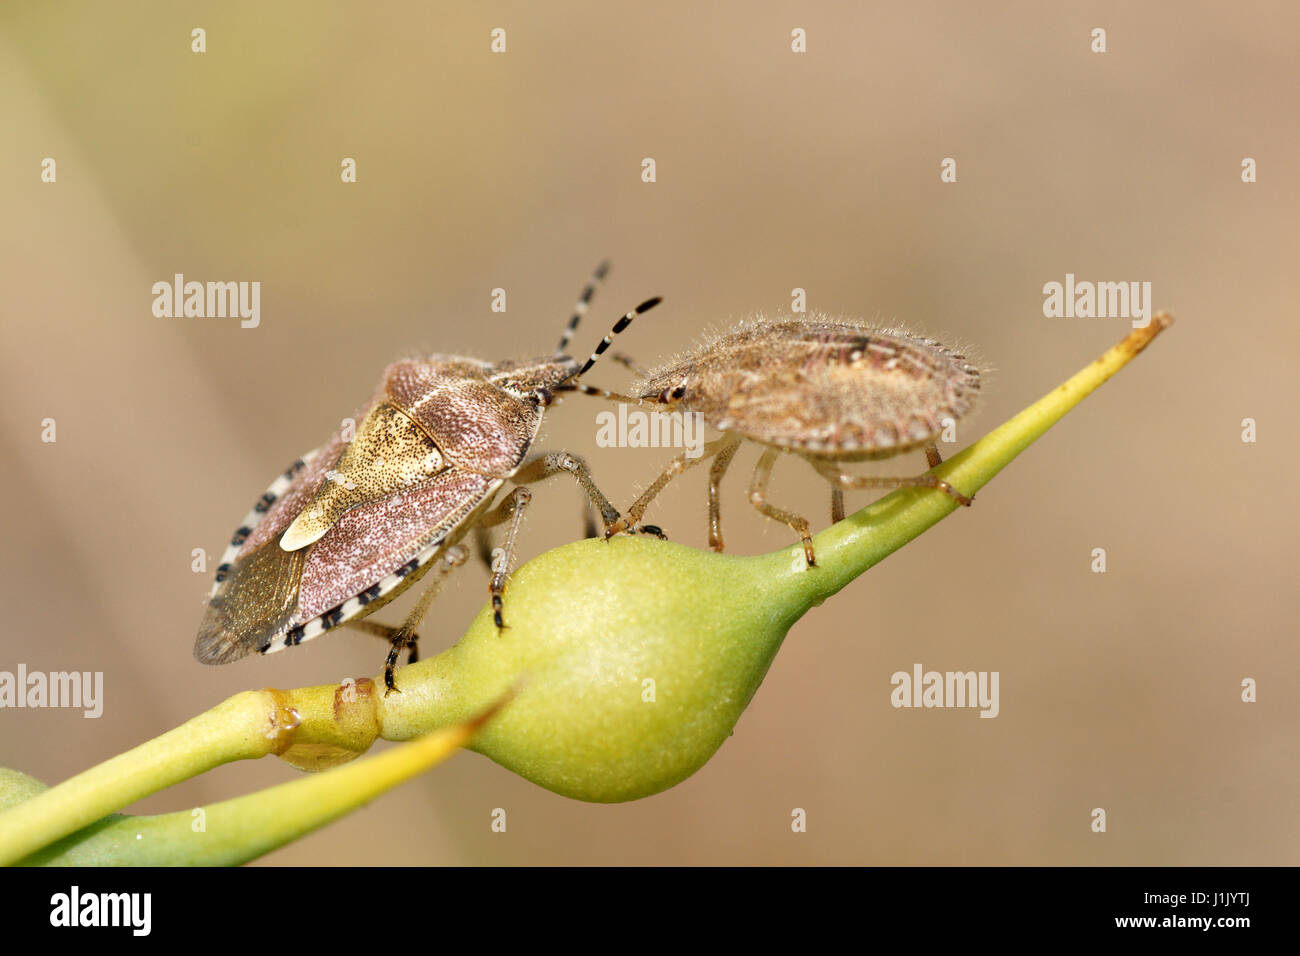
x: 353, y: 524
x: 828, y: 390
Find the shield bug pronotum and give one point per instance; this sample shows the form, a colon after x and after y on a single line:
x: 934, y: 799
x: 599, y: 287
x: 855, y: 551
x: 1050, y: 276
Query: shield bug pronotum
x: 353, y: 524
x: 828, y: 390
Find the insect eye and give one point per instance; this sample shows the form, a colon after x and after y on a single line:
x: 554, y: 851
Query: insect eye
x: 543, y: 397
x: 672, y: 394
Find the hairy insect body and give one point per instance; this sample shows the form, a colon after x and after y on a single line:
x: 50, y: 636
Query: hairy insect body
x: 829, y: 390
x: 822, y: 387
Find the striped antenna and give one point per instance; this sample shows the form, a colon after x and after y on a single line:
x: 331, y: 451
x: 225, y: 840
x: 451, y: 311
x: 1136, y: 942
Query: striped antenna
x: 595, y: 391
x: 583, y: 389
x: 580, y: 307
x: 619, y: 326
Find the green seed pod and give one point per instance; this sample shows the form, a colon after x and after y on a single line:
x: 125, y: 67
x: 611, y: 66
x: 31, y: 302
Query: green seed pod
x: 618, y: 698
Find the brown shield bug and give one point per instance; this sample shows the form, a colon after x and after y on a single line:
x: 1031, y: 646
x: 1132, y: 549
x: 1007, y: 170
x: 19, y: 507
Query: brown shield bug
x: 828, y: 390
x: 353, y: 524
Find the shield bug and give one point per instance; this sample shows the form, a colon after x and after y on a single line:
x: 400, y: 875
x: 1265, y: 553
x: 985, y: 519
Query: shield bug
x: 352, y: 525
x: 828, y: 390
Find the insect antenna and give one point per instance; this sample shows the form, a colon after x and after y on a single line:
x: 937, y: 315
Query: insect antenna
x: 580, y: 307
x: 625, y: 360
x: 569, y: 385
x: 619, y: 326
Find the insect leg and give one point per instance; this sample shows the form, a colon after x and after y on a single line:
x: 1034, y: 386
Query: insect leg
x: 387, y: 632
x: 404, y: 636
x: 758, y: 498
x: 545, y: 464
x: 675, y: 468
x: 716, y: 471
x: 512, y: 508
x: 932, y: 456
x: 837, y: 505
x: 842, y: 479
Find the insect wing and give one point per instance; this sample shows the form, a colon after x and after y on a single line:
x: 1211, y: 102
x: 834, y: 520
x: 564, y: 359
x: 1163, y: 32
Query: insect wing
x: 255, y: 590
x: 376, y: 550
x: 271, y: 598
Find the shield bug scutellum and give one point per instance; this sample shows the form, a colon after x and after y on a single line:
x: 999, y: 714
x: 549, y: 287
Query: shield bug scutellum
x: 352, y: 525
x: 826, y: 389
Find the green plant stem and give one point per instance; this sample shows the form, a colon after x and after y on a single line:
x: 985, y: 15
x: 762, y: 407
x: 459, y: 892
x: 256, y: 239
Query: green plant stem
x: 247, y: 725
x: 238, y: 830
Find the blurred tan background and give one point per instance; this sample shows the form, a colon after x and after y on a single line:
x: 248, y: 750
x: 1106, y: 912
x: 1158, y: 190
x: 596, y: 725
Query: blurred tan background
x: 775, y: 170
